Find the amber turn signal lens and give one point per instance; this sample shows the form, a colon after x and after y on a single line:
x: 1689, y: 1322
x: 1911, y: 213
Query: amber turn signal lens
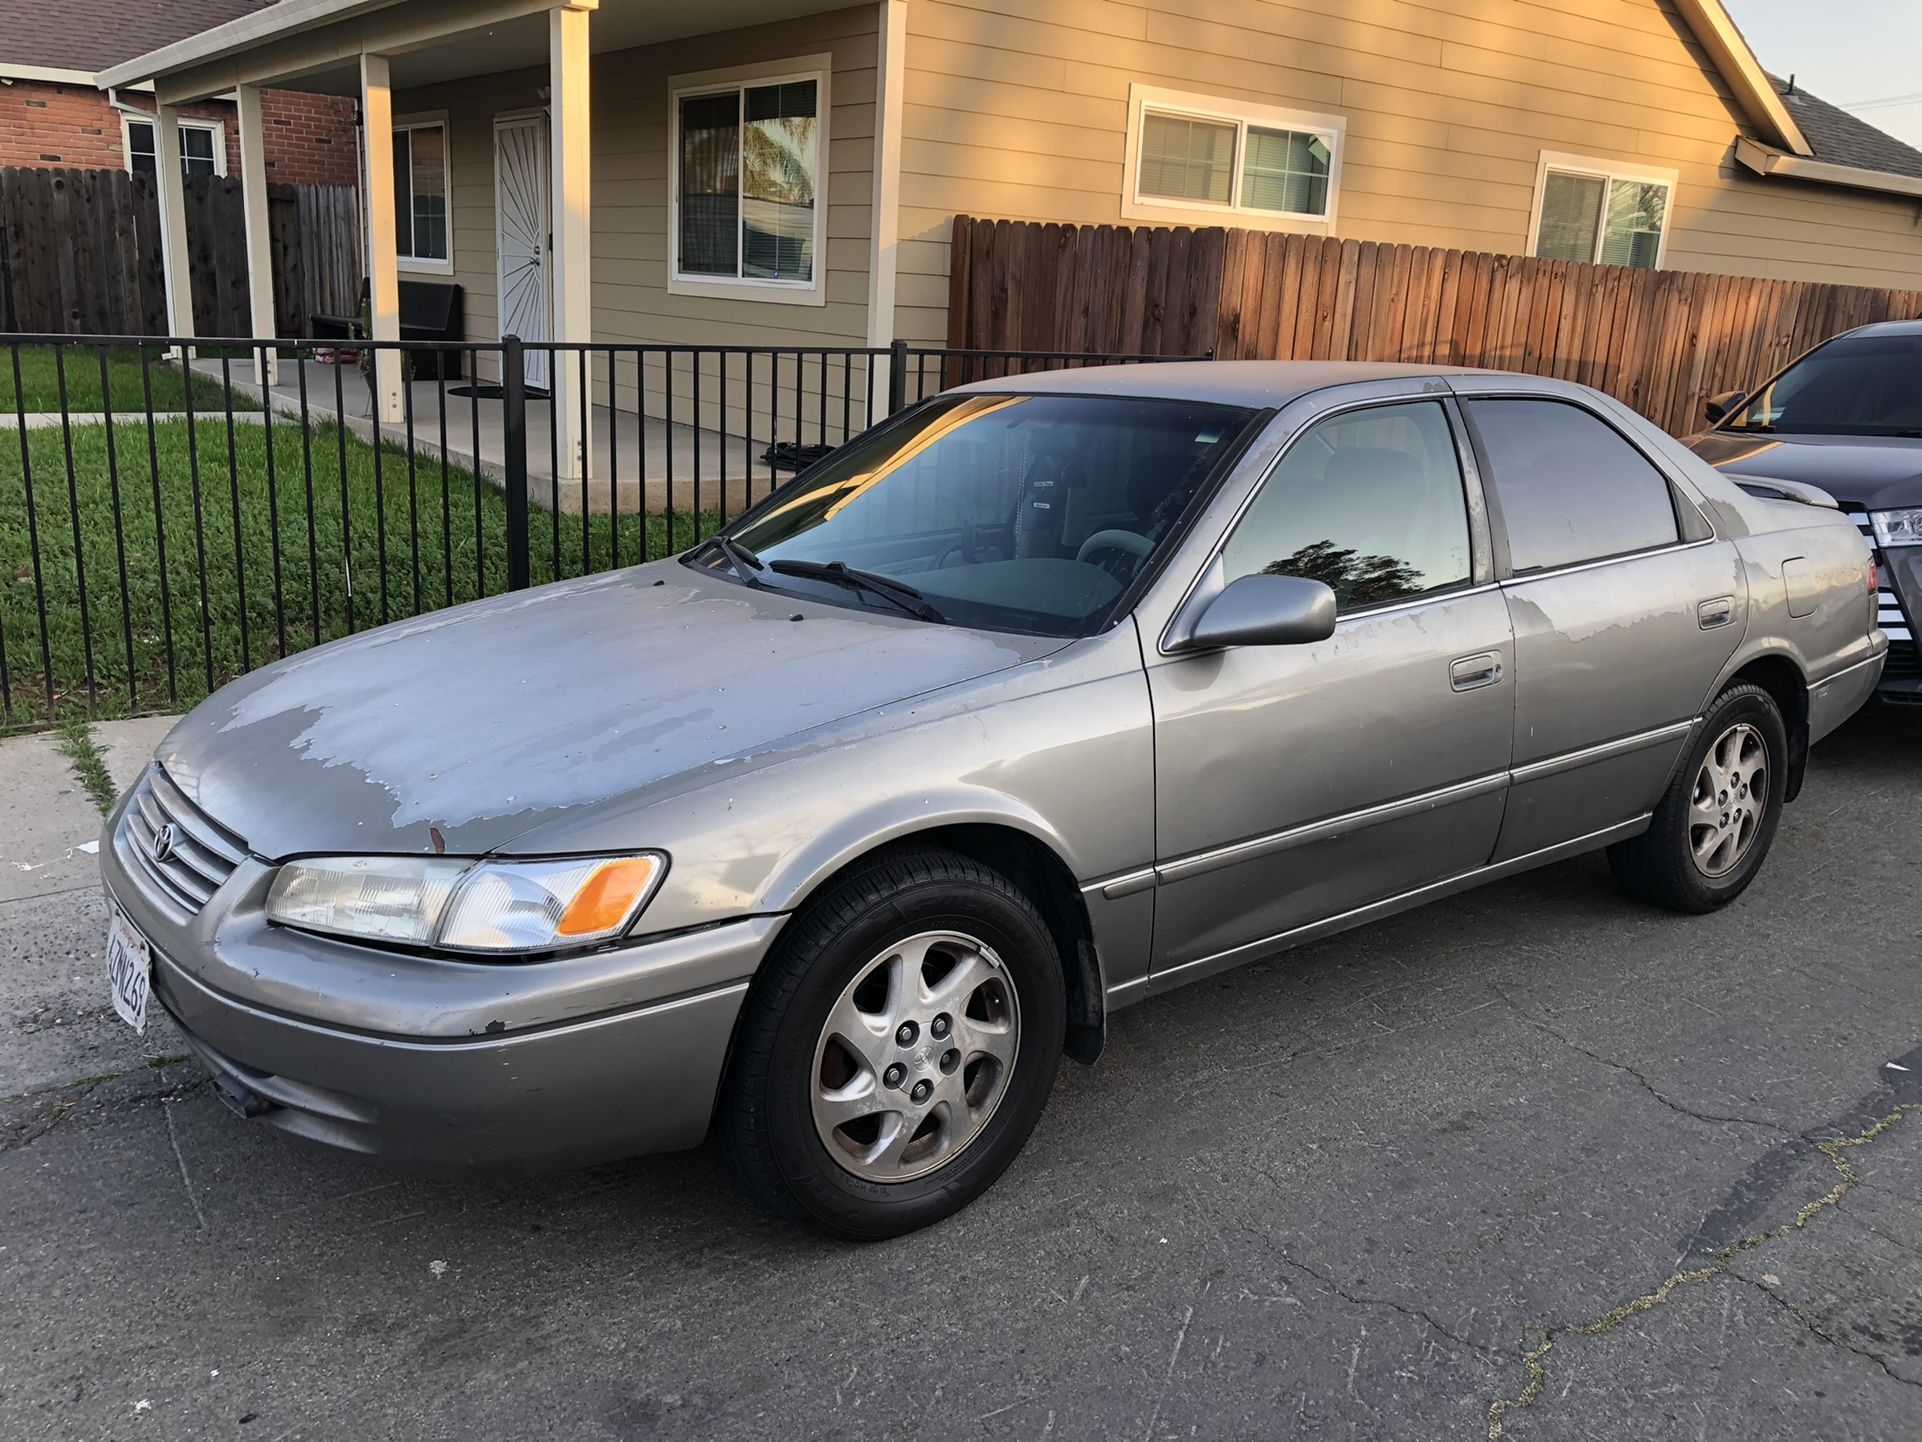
x: 609, y: 896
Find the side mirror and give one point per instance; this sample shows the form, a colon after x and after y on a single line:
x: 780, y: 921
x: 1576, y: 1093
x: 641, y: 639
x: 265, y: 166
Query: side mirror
x: 1261, y: 610
x: 1716, y: 408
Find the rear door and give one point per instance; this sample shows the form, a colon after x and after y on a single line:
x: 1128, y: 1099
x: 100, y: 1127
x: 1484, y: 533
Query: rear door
x: 1297, y: 783
x: 1625, y: 607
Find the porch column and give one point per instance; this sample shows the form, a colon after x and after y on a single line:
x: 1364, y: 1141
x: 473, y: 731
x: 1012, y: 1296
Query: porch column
x: 170, y: 182
x: 884, y: 218
x: 383, y: 270
x: 571, y: 254
x: 253, y: 195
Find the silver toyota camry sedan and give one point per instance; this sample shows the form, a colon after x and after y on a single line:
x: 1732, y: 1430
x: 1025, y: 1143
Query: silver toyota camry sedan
x: 836, y: 833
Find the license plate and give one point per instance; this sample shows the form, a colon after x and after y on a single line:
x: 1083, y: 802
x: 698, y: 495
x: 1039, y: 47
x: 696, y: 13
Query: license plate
x: 129, y: 971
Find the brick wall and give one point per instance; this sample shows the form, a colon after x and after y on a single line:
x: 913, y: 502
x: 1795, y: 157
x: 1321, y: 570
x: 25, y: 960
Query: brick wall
x: 310, y: 139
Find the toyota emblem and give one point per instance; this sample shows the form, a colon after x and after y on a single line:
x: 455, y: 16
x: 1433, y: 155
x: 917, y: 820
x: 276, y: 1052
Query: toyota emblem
x: 163, y: 842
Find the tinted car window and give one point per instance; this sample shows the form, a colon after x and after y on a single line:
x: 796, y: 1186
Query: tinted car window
x: 1370, y: 502
x: 1570, y: 488
x: 1864, y: 385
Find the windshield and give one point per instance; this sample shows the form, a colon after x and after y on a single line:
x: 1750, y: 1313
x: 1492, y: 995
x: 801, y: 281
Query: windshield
x: 1010, y: 512
x: 1869, y: 385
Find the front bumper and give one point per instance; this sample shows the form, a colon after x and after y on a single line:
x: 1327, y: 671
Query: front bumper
x: 440, y: 1066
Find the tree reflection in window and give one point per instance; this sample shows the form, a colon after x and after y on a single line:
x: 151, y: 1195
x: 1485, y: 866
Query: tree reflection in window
x: 1356, y: 580
x: 1369, y: 502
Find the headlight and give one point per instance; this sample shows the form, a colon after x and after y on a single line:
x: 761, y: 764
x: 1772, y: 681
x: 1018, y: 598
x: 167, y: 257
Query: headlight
x: 1898, y: 528
x: 484, y: 906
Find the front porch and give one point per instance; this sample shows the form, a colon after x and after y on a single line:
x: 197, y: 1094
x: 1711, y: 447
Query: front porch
x: 692, y: 212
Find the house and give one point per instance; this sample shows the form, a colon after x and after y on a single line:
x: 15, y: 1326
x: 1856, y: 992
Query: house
x: 785, y: 172
x: 53, y: 112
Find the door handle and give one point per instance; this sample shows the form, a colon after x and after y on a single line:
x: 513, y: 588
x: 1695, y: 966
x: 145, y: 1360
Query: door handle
x: 1471, y: 673
x: 1717, y: 612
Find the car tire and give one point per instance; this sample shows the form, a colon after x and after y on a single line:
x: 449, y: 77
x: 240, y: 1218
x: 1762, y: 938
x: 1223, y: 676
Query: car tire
x: 858, y: 1010
x: 1706, y: 841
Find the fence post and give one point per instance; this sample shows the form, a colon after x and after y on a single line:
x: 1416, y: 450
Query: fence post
x: 514, y: 440
x: 897, y: 376
x: 7, y: 321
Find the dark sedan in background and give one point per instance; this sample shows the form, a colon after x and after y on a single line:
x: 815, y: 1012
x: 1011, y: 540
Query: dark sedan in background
x: 1846, y: 418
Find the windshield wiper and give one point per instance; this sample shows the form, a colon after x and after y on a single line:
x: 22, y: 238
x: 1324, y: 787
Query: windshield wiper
x: 739, y: 558
x: 899, y: 593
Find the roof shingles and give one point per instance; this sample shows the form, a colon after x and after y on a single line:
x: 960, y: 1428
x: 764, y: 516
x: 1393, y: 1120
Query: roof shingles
x: 92, y: 35
x: 1844, y: 139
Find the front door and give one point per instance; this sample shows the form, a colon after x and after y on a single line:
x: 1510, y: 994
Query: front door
x: 521, y: 227
x: 1297, y: 783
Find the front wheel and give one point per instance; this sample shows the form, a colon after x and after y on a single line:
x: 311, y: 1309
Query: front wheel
x: 1716, y: 822
x: 898, y: 1048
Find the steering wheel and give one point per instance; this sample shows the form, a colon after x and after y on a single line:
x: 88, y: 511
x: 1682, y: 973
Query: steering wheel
x: 1130, y: 542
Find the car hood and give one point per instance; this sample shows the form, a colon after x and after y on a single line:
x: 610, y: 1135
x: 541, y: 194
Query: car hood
x: 460, y: 730
x: 1873, y: 473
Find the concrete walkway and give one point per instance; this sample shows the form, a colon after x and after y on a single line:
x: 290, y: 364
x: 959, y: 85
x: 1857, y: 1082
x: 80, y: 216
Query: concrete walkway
x: 50, y: 420
x: 632, y: 457
x: 49, y: 827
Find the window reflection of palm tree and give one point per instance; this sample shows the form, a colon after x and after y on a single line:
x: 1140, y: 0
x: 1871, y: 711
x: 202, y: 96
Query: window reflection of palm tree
x: 1356, y: 580
x: 779, y: 156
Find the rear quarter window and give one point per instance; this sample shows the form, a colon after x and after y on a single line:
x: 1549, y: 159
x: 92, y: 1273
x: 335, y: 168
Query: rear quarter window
x: 1569, y: 487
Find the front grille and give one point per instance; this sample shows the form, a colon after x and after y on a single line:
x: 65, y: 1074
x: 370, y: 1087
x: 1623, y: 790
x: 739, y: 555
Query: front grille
x: 201, y: 855
x: 1904, y: 662
x: 1888, y: 610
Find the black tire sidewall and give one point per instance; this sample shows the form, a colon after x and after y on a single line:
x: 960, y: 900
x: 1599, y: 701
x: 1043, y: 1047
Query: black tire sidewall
x: 1753, y: 705
x: 833, y: 1196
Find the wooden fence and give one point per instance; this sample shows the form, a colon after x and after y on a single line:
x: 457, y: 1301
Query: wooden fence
x: 1660, y: 341
x: 82, y: 253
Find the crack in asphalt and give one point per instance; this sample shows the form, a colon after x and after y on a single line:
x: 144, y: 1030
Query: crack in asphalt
x: 1356, y: 1300
x: 1817, y: 1331
x: 50, y: 1119
x: 1642, y: 1080
x: 1535, y: 1359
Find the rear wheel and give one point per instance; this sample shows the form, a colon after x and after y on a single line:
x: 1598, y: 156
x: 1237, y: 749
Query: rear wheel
x: 898, y: 1048
x: 1715, y: 823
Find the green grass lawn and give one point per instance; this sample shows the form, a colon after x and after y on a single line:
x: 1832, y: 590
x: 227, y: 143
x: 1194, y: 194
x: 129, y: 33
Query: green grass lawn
x: 41, y: 368
x: 253, y: 569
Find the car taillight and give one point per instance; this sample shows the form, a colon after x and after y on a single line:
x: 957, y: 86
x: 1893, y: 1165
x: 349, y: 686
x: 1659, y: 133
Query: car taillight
x: 1875, y: 578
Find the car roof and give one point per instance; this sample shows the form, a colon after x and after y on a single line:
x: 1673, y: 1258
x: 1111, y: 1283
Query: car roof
x: 1889, y: 327
x: 1253, y: 384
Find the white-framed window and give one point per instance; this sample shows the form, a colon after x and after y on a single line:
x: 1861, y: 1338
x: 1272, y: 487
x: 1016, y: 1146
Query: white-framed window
x: 1207, y: 159
x: 1600, y: 211
x: 747, y: 212
x: 203, y: 146
x: 423, y: 180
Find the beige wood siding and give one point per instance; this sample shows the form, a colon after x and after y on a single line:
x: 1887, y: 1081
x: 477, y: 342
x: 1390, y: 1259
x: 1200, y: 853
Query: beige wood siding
x: 630, y: 180
x: 1018, y: 109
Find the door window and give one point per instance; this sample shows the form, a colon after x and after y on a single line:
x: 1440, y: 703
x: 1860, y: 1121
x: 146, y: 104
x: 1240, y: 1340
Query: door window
x: 1571, y: 488
x: 1370, y: 502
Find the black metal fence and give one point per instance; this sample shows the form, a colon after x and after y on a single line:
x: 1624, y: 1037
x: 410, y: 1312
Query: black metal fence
x: 174, y: 514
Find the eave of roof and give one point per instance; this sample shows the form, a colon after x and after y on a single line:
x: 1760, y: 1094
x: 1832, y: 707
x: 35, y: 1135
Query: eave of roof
x: 1746, y: 79
x: 1768, y: 161
x: 289, y: 17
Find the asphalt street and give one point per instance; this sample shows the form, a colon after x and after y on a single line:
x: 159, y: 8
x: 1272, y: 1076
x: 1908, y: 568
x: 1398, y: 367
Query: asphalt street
x: 1536, y: 1162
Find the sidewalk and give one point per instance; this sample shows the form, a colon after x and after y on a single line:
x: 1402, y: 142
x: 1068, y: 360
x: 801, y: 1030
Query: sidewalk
x: 49, y: 827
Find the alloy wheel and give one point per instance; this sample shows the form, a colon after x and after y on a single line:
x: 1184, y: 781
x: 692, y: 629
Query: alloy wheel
x: 1729, y: 801
x: 915, y: 1056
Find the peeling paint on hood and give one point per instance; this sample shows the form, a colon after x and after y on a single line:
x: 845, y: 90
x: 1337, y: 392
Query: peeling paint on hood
x: 470, y: 726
